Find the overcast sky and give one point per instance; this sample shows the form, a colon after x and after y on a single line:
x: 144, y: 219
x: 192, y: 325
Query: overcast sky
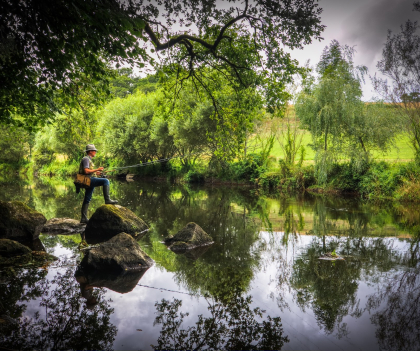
x: 360, y: 23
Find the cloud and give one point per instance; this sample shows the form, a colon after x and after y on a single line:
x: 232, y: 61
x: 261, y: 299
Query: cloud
x: 368, y: 25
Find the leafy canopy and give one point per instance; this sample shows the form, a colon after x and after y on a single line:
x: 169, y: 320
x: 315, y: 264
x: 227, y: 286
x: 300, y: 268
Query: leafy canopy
x: 53, y: 48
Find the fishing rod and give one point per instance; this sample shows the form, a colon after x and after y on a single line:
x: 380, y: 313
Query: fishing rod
x: 148, y: 163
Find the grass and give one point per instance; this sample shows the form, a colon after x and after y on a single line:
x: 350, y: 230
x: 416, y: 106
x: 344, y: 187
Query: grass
x: 402, y: 151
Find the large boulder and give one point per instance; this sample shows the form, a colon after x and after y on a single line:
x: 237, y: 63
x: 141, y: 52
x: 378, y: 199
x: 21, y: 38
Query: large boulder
x: 120, y: 253
x: 189, y: 237
x: 63, y: 226
x: 110, y: 220
x: 20, y: 222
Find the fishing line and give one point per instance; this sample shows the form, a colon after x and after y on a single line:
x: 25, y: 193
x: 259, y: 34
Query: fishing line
x: 152, y: 162
x: 175, y: 291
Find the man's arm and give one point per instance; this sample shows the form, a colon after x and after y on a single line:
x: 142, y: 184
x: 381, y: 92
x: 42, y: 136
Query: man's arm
x: 90, y: 171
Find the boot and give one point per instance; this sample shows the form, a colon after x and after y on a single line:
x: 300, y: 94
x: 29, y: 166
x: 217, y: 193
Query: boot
x: 108, y: 201
x: 84, y: 213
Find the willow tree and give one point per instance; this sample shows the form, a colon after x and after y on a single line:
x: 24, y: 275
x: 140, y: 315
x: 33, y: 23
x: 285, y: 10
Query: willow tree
x: 330, y: 106
x: 59, y: 48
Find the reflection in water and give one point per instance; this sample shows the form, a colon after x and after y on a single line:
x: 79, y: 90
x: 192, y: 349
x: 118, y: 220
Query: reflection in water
x: 63, y: 321
x: 231, y: 326
x: 328, y: 287
x: 258, y: 240
x: 398, y: 322
x: 119, y: 282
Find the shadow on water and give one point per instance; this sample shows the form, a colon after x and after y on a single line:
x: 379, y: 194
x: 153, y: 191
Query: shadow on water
x: 254, y: 236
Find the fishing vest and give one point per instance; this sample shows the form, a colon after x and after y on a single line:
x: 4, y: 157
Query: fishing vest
x: 91, y: 166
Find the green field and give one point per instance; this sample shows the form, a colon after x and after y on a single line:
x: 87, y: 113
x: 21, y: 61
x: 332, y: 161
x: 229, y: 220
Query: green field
x: 402, y: 151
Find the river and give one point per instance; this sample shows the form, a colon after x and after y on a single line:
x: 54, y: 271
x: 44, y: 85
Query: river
x: 261, y: 285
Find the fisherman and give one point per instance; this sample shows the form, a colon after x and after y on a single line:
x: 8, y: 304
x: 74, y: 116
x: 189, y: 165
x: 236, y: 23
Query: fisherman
x: 87, y: 168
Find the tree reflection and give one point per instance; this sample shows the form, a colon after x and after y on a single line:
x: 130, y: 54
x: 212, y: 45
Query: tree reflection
x: 229, y: 263
x: 398, y: 323
x: 17, y: 289
x: 329, y: 288
x: 231, y: 326
x: 65, y: 323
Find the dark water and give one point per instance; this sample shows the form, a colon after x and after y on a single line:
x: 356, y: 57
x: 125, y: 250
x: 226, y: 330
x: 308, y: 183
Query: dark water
x: 260, y: 286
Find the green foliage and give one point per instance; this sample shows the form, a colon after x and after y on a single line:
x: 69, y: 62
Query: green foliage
x: 194, y: 176
x: 52, y: 51
x: 340, y: 123
x: 126, y: 130
x: 125, y: 83
x: 15, y: 144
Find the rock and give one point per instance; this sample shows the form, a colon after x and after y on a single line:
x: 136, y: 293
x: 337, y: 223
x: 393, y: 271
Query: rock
x: 19, y: 222
x: 63, y: 226
x: 122, y: 282
x: 118, y: 254
x: 189, y: 237
x: 329, y: 256
x: 14, y: 253
x: 110, y: 220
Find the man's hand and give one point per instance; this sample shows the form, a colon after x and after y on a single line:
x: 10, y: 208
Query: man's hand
x: 97, y: 170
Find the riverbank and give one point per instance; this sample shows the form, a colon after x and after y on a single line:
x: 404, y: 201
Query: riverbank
x: 375, y: 181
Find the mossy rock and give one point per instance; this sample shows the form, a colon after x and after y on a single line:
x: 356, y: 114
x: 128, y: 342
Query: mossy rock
x: 191, y: 236
x: 20, y: 222
x: 110, y: 220
x: 118, y: 254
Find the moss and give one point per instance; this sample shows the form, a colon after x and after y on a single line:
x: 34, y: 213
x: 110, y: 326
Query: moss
x: 192, y: 235
x: 110, y: 220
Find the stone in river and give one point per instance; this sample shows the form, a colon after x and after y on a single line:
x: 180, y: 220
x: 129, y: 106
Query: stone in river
x: 191, y: 236
x: 20, y: 222
x: 110, y: 220
x: 63, y: 226
x: 119, y: 254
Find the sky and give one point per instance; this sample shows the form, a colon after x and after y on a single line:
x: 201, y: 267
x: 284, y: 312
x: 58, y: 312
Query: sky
x: 363, y: 24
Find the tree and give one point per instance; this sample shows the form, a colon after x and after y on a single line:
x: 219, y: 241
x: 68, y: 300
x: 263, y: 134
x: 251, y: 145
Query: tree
x: 56, y: 47
x: 401, y: 65
x: 341, y: 124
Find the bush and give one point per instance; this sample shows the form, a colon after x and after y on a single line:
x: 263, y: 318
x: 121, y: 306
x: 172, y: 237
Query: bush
x: 194, y: 176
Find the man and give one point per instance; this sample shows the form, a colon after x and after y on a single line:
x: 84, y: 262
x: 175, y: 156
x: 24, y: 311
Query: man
x: 87, y: 168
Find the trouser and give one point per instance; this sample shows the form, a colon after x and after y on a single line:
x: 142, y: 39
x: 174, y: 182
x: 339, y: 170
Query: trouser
x: 94, y: 182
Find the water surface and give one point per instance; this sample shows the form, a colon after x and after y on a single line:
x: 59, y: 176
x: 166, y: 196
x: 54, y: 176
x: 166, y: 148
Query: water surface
x: 260, y: 286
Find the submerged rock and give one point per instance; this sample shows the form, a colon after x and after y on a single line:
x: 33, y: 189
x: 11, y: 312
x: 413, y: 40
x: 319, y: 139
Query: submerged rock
x: 110, y: 220
x: 13, y: 253
x: 63, y: 226
x: 189, y: 237
x: 118, y: 254
x: 329, y: 256
x: 20, y: 222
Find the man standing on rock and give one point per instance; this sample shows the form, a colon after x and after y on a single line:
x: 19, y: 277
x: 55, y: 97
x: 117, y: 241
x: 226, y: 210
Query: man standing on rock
x: 87, y: 168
